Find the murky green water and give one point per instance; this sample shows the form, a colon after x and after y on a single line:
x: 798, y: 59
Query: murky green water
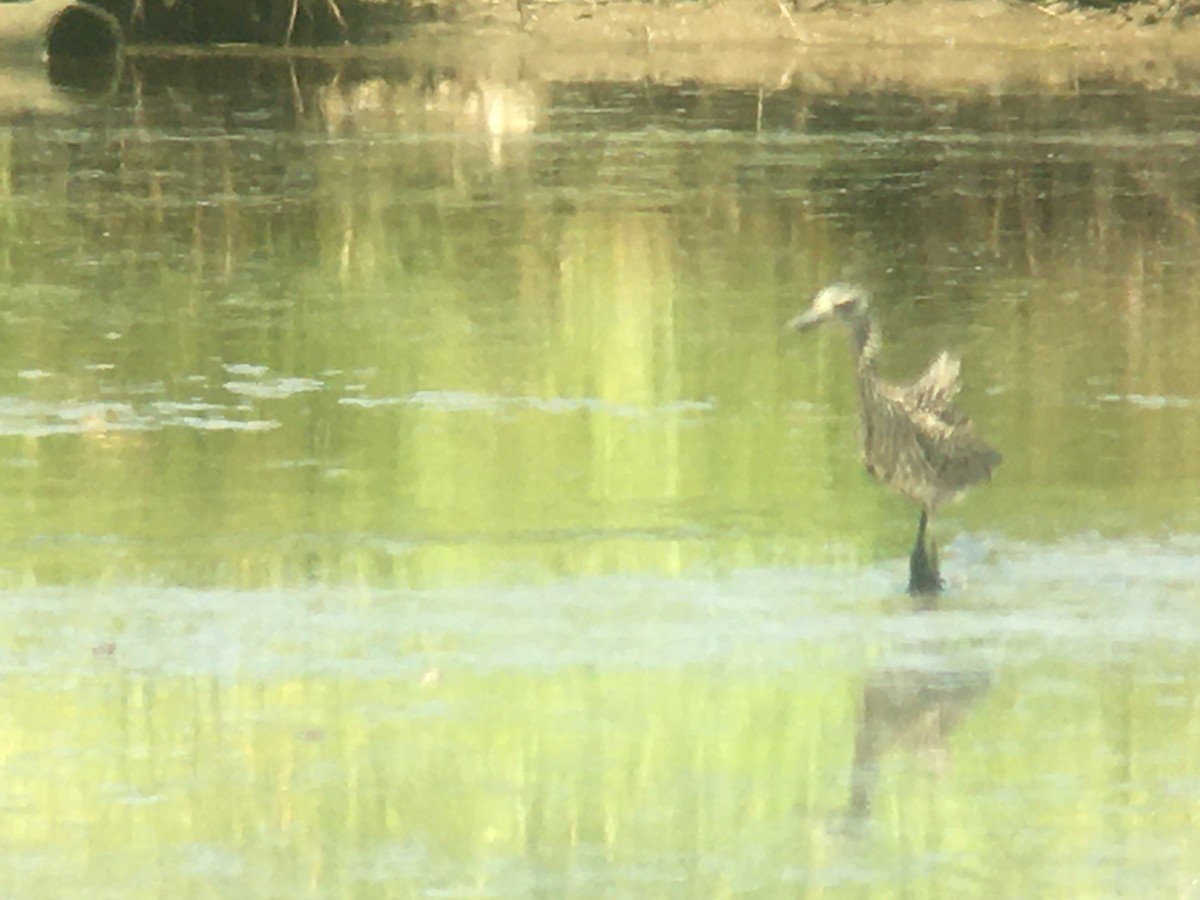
x: 406, y: 489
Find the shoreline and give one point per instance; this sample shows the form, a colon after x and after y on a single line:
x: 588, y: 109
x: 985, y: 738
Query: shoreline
x: 924, y: 45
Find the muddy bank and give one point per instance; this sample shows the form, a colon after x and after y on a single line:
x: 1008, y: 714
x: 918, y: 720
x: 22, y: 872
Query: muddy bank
x: 968, y: 44
x: 943, y: 45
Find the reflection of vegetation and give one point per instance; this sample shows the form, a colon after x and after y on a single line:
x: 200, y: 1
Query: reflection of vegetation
x: 562, y: 348
x: 273, y: 22
x: 685, y: 783
x: 248, y: 346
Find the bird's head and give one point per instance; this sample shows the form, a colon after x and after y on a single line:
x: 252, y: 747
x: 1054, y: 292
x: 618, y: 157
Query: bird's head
x: 845, y: 301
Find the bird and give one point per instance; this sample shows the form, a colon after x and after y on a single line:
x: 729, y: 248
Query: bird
x: 914, y: 440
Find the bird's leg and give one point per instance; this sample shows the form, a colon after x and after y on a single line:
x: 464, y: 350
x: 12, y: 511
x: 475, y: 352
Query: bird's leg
x: 923, y: 576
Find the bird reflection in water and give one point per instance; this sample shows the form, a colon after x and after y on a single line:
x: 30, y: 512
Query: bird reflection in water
x: 914, y: 439
x: 914, y: 709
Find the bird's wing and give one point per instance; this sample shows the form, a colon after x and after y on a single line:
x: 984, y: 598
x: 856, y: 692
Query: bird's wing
x: 934, y: 390
x: 955, y: 455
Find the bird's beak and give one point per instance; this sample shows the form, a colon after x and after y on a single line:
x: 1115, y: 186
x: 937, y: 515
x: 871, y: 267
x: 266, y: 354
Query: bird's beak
x: 806, y: 320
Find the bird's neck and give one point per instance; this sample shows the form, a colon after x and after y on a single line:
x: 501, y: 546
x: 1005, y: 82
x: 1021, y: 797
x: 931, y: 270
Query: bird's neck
x: 865, y: 340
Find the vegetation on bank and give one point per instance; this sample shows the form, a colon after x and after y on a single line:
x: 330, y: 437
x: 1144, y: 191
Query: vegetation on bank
x: 315, y: 22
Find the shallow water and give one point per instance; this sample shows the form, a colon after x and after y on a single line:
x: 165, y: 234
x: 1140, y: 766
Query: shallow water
x: 407, y: 489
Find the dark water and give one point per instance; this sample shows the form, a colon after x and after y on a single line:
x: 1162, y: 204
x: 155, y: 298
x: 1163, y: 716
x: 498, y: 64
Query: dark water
x: 407, y: 489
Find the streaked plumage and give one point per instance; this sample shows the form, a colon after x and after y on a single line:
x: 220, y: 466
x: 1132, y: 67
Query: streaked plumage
x: 914, y: 439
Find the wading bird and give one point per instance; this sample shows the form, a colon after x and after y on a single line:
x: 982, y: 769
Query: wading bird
x: 914, y: 440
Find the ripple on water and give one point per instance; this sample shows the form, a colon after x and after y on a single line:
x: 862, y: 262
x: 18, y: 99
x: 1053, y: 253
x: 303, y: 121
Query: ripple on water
x: 1152, y: 401
x: 274, y: 388
x: 468, y: 402
x: 36, y: 418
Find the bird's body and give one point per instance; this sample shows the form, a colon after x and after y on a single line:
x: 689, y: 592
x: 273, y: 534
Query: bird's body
x: 914, y: 439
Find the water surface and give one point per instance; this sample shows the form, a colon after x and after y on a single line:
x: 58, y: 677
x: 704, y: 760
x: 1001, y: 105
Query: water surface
x: 406, y: 488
